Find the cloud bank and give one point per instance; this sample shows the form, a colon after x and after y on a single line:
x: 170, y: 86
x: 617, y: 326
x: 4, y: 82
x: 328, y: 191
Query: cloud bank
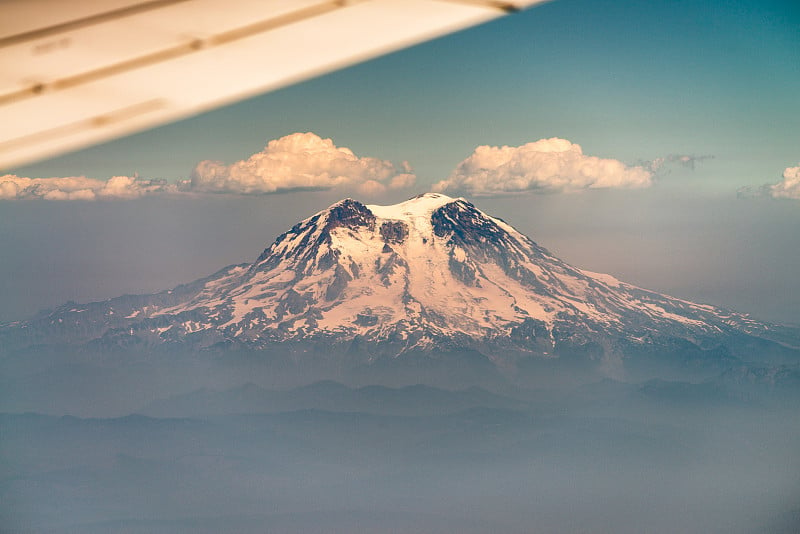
x: 296, y: 162
x: 300, y: 161
x: 305, y: 161
x: 14, y: 187
x: 546, y: 165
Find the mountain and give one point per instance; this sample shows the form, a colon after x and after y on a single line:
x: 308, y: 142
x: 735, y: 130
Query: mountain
x: 426, y: 277
x: 329, y: 396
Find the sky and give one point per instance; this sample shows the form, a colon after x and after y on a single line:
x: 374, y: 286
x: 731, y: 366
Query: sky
x: 657, y: 141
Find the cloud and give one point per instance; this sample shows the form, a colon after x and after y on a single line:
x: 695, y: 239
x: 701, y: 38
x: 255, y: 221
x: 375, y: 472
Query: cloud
x: 547, y: 165
x: 14, y: 187
x: 300, y: 161
x: 789, y: 187
x: 659, y: 165
x: 296, y: 162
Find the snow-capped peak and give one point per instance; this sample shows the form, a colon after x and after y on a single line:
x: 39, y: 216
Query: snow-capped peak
x: 432, y: 267
x: 429, y: 271
x: 419, y: 206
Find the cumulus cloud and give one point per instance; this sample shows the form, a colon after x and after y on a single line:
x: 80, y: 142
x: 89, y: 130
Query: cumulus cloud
x: 296, y: 162
x: 300, y: 161
x: 789, y: 187
x: 14, y: 187
x: 555, y: 165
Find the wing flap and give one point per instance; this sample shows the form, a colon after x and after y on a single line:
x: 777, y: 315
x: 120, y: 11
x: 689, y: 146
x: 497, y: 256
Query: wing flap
x: 103, y: 80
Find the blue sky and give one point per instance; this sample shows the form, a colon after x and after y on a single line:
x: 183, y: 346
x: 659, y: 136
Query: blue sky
x: 630, y: 81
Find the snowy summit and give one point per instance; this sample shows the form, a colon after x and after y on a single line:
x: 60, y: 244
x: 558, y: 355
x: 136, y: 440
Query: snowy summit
x: 430, y: 273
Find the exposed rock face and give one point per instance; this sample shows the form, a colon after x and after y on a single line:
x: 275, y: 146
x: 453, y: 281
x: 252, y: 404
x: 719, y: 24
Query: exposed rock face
x: 349, y: 213
x: 394, y: 231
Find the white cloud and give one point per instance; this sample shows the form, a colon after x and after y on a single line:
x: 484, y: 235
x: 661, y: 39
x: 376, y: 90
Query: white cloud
x: 789, y: 187
x: 299, y: 161
x: 14, y: 187
x: 295, y: 162
x: 555, y: 165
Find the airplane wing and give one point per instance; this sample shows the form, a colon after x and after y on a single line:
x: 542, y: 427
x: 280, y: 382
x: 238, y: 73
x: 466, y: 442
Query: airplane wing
x: 78, y: 72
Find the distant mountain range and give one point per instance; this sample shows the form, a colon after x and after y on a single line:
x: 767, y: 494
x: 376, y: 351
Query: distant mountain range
x: 365, y: 284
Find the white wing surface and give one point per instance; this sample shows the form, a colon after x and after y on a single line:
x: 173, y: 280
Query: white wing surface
x: 78, y: 72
